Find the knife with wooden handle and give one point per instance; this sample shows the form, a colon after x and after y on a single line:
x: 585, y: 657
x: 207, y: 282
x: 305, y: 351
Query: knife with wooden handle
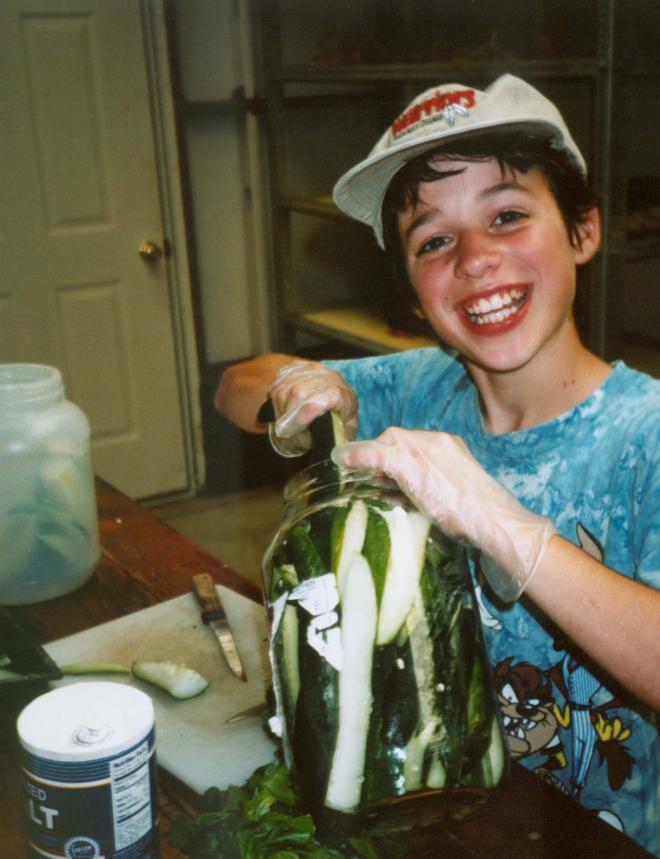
x: 213, y: 615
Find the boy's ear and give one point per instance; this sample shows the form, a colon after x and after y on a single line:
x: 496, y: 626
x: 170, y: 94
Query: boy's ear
x: 588, y: 237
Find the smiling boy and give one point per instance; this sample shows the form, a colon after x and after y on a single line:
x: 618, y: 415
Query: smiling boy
x: 513, y: 436
x: 486, y: 249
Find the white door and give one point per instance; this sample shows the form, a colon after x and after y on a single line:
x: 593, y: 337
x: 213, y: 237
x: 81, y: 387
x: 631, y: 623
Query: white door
x: 79, y: 195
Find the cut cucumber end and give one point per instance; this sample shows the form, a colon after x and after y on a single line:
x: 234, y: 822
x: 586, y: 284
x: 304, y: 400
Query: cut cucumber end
x: 178, y: 680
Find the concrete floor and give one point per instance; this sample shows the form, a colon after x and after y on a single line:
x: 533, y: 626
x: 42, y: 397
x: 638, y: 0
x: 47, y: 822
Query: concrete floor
x: 235, y: 528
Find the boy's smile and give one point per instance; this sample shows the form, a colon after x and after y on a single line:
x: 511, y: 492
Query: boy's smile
x: 490, y: 259
x: 497, y: 310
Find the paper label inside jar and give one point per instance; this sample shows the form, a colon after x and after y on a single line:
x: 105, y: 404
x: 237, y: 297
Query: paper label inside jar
x: 320, y: 597
x: 275, y: 612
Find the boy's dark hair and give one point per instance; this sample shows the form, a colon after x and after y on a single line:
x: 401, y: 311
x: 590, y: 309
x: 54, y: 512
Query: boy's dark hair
x: 513, y: 150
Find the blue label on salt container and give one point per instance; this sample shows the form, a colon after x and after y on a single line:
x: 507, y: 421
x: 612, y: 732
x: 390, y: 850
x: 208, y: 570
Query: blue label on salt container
x: 98, y: 808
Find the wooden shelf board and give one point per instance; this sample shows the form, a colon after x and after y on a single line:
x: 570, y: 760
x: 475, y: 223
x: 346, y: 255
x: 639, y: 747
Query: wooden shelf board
x: 569, y: 67
x: 647, y: 247
x: 360, y: 328
x: 322, y: 206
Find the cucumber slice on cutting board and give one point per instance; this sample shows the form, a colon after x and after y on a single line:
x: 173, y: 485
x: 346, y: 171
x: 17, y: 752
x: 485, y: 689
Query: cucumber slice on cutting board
x: 94, y: 668
x: 176, y: 679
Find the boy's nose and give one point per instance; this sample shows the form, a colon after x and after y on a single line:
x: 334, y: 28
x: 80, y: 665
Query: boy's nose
x: 478, y: 255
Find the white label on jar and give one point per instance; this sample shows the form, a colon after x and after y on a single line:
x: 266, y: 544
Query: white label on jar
x: 275, y: 612
x: 131, y: 796
x: 318, y: 595
x: 326, y: 620
x: 275, y: 724
x: 326, y: 642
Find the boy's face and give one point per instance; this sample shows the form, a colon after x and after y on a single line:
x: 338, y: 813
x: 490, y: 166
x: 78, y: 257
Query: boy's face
x: 490, y: 259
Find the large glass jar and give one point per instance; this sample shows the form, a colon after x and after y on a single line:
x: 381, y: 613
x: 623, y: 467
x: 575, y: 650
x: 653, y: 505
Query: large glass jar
x: 48, y: 523
x: 381, y: 680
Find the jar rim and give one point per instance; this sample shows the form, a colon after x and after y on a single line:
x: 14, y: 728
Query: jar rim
x: 22, y: 383
x: 315, y: 478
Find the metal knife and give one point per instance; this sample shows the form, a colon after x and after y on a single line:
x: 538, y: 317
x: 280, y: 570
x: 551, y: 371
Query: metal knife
x: 213, y: 614
x: 254, y: 710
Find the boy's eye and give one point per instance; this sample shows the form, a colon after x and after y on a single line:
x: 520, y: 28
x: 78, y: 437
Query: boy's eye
x: 508, y: 216
x: 433, y: 244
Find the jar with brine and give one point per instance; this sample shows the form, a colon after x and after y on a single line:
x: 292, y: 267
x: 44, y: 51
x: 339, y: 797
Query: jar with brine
x: 384, y: 696
x: 48, y: 523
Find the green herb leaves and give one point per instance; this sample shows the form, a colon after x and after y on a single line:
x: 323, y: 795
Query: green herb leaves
x: 264, y: 820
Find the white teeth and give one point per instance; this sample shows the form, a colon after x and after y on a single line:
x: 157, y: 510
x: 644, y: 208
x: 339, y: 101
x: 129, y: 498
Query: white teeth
x: 496, y: 307
x: 498, y: 316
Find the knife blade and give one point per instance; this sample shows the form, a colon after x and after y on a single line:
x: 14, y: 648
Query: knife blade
x: 213, y: 615
x: 250, y: 712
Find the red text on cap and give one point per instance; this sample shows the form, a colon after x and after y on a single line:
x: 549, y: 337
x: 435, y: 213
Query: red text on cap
x: 430, y: 107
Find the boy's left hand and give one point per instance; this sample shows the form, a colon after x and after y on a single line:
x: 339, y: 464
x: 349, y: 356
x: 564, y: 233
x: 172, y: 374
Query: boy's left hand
x: 441, y: 477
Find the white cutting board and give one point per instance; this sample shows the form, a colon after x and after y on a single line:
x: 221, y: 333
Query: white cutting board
x: 193, y: 741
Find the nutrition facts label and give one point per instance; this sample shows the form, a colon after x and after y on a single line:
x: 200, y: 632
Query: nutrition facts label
x: 131, y: 796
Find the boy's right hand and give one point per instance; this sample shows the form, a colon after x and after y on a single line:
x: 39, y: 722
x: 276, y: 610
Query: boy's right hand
x: 303, y: 390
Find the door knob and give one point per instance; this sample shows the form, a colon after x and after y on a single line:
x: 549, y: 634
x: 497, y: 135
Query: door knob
x: 150, y: 251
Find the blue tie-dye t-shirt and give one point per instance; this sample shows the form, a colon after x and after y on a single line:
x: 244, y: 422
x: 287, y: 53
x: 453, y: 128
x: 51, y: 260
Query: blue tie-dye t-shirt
x: 595, y: 472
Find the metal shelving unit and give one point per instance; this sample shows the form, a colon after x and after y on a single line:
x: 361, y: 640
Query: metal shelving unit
x: 330, y: 302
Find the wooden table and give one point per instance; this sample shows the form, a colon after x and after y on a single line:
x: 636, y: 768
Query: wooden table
x: 144, y: 562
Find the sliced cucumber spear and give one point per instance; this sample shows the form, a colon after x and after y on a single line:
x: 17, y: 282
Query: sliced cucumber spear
x: 95, y: 668
x: 176, y: 679
x: 358, y: 630
x: 290, y: 637
x: 493, y: 762
x: 349, y: 541
x: 326, y: 432
x: 408, y: 536
x: 432, y: 732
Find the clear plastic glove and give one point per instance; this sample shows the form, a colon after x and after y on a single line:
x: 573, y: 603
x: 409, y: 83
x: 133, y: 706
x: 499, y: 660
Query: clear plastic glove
x: 300, y: 392
x: 441, y: 477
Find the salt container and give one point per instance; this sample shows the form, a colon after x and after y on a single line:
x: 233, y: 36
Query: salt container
x: 89, y: 767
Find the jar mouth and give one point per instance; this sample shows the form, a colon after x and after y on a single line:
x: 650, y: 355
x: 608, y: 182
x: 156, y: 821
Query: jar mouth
x: 22, y: 383
x: 325, y: 475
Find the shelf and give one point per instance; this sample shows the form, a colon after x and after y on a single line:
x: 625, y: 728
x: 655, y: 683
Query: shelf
x: 358, y: 327
x: 211, y: 107
x: 638, y: 248
x: 341, y: 72
x: 643, y: 356
x: 322, y: 207
x: 594, y: 71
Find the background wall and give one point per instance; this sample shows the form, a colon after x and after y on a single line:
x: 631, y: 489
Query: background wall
x: 218, y: 56
x: 213, y: 49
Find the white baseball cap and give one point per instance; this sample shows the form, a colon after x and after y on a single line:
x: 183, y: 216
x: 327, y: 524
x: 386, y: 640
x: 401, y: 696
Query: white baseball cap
x: 441, y: 114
